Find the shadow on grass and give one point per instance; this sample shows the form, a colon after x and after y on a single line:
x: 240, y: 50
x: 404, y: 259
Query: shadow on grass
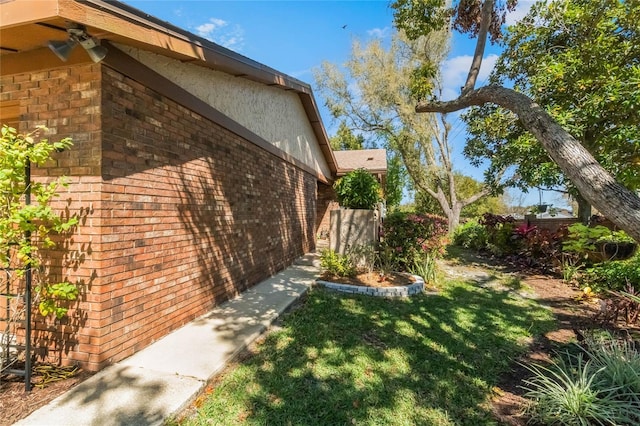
x: 361, y: 360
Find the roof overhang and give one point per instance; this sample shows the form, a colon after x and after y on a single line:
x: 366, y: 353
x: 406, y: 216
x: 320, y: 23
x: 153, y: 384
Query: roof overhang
x: 26, y: 26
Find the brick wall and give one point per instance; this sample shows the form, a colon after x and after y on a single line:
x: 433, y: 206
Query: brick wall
x: 192, y: 215
x: 67, y: 101
x: 176, y: 213
x: 327, y: 201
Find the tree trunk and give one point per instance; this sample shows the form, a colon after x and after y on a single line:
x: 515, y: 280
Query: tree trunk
x: 454, y: 218
x: 597, y: 186
x: 584, y: 209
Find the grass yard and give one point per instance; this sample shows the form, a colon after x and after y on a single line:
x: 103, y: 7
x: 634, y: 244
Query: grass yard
x: 344, y: 360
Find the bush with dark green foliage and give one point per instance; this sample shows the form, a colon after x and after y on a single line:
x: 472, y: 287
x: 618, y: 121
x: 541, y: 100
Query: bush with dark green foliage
x: 358, y: 189
x: 413, y: 239
x: 614, y: 275
x: 471, y: 235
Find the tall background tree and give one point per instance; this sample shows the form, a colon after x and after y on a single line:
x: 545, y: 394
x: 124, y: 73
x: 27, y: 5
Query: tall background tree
x: 345, y: 140
x: 576, y: 60
x: 465, y: 187
x: 375, y: 98
x: 483, y: 19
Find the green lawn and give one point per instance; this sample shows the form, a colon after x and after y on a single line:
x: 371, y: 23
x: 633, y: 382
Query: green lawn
x: 343, y: 360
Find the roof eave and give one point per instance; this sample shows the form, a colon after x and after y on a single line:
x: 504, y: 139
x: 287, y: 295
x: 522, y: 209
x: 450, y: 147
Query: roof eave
x: 120, y: 23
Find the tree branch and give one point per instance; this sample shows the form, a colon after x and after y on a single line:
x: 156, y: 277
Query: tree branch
x: 476, y: 63
x: 596, y: 185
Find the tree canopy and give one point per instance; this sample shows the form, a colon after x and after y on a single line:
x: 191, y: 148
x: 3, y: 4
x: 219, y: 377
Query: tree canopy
x: 579, y: 60
x: 418, y: 17
x: 345, y: 139
x: 379, y: 101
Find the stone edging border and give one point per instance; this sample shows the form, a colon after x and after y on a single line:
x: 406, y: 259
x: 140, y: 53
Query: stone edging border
x: 398, y: 291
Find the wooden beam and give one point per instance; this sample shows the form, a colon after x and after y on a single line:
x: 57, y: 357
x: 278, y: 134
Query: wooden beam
x: 39, y: 59
x: 16, y: 12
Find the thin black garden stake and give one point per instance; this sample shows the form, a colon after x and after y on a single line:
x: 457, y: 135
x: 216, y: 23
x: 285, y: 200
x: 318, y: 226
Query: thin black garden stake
x: 27, y: 292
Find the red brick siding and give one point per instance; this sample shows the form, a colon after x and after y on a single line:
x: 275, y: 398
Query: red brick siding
x: 177, y: 214
x: 327, y: 201
x: 67, y: 101
x: 191, y: 215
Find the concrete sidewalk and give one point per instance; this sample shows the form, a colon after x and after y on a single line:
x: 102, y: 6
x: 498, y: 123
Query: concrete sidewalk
x: 162, y: 379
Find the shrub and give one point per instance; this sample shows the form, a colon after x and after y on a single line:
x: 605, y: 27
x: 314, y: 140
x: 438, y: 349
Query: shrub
x: 471, y: 235
x: 358, y: 189
x: 502, y: 238
x: 614, y: 275
x: 540, y: 246
x: 412, y: 239
x: 602, y: 390
x: 340, y: 265
x: 592, y: 244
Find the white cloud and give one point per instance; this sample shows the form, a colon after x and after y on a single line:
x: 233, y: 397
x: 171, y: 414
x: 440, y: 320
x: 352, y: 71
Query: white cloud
x: 207, y: 30
x: 379, y: 32
x: 455, y: 70
x: 218, y: 31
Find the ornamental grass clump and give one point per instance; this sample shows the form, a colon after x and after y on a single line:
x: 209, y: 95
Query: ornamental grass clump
x: 598, y: 385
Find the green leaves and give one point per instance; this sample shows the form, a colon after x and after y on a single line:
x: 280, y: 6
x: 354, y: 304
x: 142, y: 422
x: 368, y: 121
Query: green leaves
x: 38, y: 219
x: 52, y: 298
x: 358, y: 189
x: 578, y: 59
x: 421, y: 82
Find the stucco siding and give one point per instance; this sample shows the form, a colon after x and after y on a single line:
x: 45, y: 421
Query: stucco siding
x: 275, y: 115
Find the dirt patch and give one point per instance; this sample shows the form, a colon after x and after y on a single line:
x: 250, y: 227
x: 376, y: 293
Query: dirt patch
x: 16, y: 403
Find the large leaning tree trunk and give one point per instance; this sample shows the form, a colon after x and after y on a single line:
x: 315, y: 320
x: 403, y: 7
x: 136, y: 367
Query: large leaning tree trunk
x: 597, y: 186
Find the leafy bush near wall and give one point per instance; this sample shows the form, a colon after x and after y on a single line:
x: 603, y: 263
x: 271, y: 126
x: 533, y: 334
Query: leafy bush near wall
x: 336, y: 264
x: 413, y: 239
x: 27, y: 230
x: 358, y: 189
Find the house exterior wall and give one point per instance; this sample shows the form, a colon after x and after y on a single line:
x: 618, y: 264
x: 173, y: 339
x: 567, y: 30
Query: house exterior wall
x: 327, y: 201
x: 176, y: 213
x: 272, y: 113
x: 67, y: 100
x: 188, y: 220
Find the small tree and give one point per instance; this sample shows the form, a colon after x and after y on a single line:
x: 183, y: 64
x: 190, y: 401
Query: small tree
x: 26, y: 229
x: 358, y: 189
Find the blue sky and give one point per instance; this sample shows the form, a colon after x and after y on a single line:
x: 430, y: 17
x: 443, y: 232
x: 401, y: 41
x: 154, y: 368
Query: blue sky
x: 294, y: 37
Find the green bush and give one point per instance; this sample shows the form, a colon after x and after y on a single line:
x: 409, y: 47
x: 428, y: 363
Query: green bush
x: 614, y: 275
x: 603, y: 390
x: 413, y: 240
x: 471, y: 235
x: 339, y: 265
x: 358, y: 189
x: 501, y: 235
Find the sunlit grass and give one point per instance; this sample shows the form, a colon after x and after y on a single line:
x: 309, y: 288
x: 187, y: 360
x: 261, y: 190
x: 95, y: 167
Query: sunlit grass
x: 343, y: 360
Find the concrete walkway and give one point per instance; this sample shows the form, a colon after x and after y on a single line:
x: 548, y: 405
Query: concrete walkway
x: 162, y: 379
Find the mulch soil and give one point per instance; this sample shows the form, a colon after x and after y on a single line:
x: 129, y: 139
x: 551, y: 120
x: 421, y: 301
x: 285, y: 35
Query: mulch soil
x: 16, y: 403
